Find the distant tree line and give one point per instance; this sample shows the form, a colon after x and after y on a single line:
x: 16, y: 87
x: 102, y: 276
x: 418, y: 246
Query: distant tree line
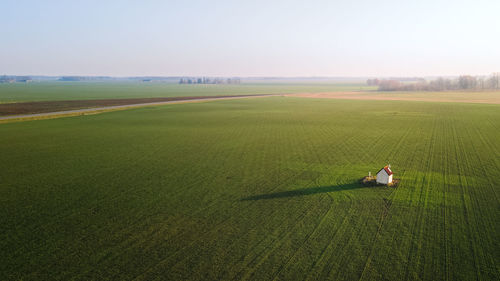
x: 84, y: 78
x: 463, y: 82
x: 12, y: 79
x: 205, y: 80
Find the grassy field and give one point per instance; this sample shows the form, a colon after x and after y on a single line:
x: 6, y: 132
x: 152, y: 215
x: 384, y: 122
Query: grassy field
x: 48, y: 91
x: 254, y: 189
x: 489, y: 97
x: 456, y: 96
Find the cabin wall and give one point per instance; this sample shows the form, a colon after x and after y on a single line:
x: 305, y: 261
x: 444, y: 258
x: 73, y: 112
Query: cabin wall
x: 382, y: 177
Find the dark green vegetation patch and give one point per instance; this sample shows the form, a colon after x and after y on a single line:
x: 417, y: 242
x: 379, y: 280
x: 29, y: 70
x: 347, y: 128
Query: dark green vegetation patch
x: 254, y: 189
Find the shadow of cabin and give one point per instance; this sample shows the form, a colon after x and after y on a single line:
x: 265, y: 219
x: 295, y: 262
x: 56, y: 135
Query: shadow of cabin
x: 305, y: 191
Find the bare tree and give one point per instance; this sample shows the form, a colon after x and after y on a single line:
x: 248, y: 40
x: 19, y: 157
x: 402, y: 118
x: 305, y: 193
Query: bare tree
x: 467, y: 82
x: 389, y: 85
x: 494, y: 80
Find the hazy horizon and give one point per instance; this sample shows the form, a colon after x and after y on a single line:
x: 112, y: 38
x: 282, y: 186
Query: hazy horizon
x: 283, y: 39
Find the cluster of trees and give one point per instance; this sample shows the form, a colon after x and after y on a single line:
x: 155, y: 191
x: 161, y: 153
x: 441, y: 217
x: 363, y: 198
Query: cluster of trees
x: 372, y: 82
x: 205, y: 80
x: 12, y: 79
x: 463, y: 82
x: 85, y: 78
x: 7, y: 79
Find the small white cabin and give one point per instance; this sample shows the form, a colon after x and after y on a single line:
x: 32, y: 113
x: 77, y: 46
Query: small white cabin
x: 384, y: 176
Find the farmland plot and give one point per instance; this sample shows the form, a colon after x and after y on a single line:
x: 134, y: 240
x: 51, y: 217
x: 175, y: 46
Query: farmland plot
x: 254, y: 189
x: 71, y: 91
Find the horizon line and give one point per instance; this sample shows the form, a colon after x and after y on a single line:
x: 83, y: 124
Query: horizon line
x: 244, y: 76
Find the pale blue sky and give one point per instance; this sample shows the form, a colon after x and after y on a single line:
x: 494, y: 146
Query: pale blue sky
x: 250, y: 38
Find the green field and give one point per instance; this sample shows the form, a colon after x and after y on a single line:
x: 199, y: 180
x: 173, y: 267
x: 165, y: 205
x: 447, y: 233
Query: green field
x: 48, y: 91
x: 253, y: 189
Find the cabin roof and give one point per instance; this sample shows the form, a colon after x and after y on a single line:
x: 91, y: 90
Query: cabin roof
x: 387, y: 170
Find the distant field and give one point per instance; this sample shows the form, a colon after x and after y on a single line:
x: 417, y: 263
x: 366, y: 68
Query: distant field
x: 49, y: 91
x: 492, y: 97
x: 34, y: 107
x: 255, y: 189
